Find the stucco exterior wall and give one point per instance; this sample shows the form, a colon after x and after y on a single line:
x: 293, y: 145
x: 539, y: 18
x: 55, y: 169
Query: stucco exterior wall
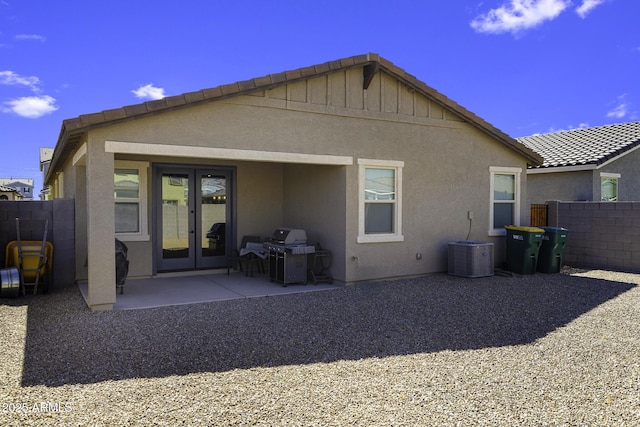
x: 446, y: 175
x: 576, y: 185
x: 260, y: 199
x: 315, y: 200
x: 446, y: 170
x: 629, y: 181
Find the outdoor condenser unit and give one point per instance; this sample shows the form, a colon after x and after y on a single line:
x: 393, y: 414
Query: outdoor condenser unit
x: 470, y: 258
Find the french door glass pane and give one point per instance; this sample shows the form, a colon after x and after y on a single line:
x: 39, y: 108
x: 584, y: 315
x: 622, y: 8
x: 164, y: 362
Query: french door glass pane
x: 213, y: 200
x: 175, y: 216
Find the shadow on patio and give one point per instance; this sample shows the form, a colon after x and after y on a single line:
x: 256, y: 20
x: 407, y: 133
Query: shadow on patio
x: 68, y: 344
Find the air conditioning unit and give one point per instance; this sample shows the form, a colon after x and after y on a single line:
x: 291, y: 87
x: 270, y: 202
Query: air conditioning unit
x: 470, y: 258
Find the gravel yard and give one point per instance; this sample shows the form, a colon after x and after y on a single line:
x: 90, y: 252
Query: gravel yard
x: 560, y: 349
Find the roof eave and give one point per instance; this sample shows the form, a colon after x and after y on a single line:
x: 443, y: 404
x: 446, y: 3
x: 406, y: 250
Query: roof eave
x: 563, y: 168
x: 371, y: 63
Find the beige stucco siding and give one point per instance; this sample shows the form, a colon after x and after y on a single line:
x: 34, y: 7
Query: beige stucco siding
x: 260, y: 199
x: 446, y: 174
x: 576, y: 185
x: 100, y: 245
x: 290, y: 122
x: 446, y: 170
x: 629, y: 181
x: 315, y: 200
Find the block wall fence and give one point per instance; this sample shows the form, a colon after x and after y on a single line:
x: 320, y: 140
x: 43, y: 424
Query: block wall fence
x: 603, y: 235
x: 61, y: 232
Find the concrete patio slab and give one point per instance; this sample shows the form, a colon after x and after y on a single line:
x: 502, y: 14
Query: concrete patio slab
x: 193, y: 289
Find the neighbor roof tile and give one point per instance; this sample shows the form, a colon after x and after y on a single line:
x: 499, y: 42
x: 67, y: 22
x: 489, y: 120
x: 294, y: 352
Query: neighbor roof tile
x: 584, y: 146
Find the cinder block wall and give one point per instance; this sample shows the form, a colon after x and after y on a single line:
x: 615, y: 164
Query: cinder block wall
x: 61, y: 232
x: 601, y: 234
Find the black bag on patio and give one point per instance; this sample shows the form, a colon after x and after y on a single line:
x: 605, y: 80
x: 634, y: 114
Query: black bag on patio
x: 122, y: 264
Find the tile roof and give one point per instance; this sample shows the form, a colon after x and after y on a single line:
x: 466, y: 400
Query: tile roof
x: 6, y: 189
x: 587, y: 146
x: 72, y: 129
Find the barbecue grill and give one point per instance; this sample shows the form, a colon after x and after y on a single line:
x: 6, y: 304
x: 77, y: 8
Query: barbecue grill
x: 288, y: 251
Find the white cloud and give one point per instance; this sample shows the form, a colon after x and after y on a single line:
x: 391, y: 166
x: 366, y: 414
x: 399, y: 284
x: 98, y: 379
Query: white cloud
x: 587, y: 6
x: 517, y: 15
x: 35, y: 37
x: 149, y: 92
x: 621, y: 108
x: 31, y: 107
x: 566, y: 128
x: 9, y: 78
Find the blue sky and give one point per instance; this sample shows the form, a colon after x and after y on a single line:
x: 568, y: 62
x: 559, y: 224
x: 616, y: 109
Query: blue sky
x: 525, y: 66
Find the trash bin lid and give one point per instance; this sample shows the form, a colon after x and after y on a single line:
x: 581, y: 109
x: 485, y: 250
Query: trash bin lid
x: 554, y: 229
x: 526, y: 229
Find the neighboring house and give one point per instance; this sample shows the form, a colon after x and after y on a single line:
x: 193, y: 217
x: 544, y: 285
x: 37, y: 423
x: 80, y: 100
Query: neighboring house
x: 22, y: 185
x: 8, y: 193
x: 590, y: 164
x: 45, y: 162
x: 376, y: 166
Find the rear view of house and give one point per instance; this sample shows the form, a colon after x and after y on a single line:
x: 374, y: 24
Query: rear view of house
x: 377, y: 167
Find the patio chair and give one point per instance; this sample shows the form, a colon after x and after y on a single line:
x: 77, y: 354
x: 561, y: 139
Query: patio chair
x: 250, y: 259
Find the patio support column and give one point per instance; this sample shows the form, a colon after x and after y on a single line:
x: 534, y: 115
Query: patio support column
x: 100, y: 227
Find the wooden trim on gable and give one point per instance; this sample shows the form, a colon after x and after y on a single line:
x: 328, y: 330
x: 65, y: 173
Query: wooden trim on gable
x: 372, y: 65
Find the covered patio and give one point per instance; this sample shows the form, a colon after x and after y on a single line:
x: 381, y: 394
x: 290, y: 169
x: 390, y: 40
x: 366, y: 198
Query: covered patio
x: 215, y: 285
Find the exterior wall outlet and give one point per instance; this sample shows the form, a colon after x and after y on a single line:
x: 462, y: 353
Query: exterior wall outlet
x: 470, y: 215
x: 418, y: 255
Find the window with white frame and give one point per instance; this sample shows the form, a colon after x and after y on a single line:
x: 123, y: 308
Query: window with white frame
x: 380, y: 201
x: 505, y: 199
x: 130, y: 196
x: 609, y: 187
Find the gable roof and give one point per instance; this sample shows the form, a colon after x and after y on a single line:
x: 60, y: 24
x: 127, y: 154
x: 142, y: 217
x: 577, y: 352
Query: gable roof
x: 372, y: 63
x: 5, y: 189
x: 585, y: 148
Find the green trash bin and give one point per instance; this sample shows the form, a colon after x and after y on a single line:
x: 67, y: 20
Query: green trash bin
x: 552, y: 249
x: 523, y: 245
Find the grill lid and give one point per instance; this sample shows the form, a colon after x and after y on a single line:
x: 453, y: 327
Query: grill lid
x: 289, y: 236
